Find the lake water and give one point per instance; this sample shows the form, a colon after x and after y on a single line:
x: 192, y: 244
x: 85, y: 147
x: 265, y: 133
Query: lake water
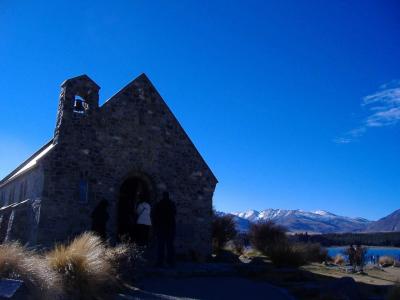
x: 372, y: 251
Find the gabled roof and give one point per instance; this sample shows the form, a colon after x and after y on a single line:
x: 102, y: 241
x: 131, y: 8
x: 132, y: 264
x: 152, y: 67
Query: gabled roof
x: 29, y: 163
x: 141, y: 80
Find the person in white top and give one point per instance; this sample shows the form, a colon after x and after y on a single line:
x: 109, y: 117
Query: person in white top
x: 143, y: 222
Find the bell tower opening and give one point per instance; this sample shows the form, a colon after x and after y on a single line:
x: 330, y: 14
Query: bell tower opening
x: 79, y: 98
x: 80, y: 105
x: 132, y: 190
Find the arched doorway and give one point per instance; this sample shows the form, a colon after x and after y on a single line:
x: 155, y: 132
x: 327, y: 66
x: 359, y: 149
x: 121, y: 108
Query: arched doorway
x: 132, y: 189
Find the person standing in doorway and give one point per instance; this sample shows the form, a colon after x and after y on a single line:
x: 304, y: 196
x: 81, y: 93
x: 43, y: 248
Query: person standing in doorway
x: 164, y: 214
x: 99, y: 219
x: 143, y: 222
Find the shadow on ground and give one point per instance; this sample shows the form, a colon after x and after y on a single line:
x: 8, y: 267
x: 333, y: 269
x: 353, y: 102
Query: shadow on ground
x: 253, y: 279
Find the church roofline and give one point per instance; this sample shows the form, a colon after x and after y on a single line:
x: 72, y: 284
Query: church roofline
x: 14, y: 174
x: 84, y: 76
x: 144, y: 77
x: 141, y: 76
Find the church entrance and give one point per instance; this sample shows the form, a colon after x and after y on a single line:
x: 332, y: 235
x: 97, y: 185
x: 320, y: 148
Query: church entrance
x: 132, y: 190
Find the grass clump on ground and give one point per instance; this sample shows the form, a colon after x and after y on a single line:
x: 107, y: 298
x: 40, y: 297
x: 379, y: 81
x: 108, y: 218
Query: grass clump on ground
x: 84, y: 266
x: 386, y: 261
x: 339, y: 260
x: 126, y: 259
x: 18, y: 263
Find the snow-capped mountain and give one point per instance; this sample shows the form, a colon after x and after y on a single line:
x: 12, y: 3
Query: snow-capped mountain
x: 319, y: 221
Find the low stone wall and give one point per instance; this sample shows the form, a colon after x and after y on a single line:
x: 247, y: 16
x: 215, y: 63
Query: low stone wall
x: 19, y: 222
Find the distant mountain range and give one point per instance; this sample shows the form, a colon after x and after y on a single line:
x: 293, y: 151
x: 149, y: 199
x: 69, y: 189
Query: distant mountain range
x: 315, y: 222
x: 388, y: 223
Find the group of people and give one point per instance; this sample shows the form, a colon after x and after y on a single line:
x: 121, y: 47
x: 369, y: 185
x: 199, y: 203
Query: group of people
x: 143, y: 219
x: 161, y: 219
x: 356, y: 257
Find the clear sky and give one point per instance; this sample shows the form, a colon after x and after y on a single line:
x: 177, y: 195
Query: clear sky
x: 294, y: 104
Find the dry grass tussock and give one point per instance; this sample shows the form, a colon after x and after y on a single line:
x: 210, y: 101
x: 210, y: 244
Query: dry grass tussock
x: 339, y: 260
x: 126, y: 258
x: 83, y: 269
x: 386, y: 261
x: 83, y: 264
x: 19, y: 263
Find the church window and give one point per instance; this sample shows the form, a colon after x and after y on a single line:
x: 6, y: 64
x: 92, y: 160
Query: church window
x: 3, y: 198
x: 12, y: 194
x: 22, y: 191
x: 84, y: 188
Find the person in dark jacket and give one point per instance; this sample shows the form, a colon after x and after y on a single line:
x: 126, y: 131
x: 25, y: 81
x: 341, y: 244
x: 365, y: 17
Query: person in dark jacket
x: 164, y: 224
x: 352, y: 257
x: 99, y: 219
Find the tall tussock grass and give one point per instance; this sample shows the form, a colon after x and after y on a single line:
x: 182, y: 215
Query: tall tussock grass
x: 127, y: 259
x: 18, y: 263
x: 84, y: 267
x: 386, y: 261
x: 339, y: 260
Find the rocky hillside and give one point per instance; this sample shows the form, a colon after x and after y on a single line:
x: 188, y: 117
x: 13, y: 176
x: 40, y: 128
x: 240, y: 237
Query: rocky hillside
x: 388, y: 223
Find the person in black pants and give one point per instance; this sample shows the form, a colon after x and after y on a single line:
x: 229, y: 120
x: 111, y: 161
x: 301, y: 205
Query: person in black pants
x: 99, y: 219
x: 164, y: 224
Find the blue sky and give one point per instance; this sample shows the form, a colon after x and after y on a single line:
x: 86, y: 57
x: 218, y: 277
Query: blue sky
x: 294, y: 104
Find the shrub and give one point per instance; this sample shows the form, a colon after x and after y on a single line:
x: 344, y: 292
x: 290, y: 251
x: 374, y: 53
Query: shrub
x: 223, y: 230
x: 339, y: 260
x: 18, y: 263
x: 312, y: 252
x: 386, y: 261
x: 285, y: 254
x: 84, y: 266
x: 264, y: 235
x: 239, y: 245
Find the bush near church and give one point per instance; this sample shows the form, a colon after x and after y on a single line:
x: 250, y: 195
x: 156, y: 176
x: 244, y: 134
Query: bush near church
x: 223, y: 230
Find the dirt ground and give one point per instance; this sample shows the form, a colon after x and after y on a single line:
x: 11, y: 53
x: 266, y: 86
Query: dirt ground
x: 259, y: 279
x: 375, y: 276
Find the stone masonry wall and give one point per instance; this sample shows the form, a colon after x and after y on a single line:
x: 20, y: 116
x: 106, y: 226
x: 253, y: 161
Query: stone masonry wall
x: 19, y: 222
x: 132, y: 133
x: 28, y: 185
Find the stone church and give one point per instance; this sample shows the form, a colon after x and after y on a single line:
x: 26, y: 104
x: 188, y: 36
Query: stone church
x: 108, y: 154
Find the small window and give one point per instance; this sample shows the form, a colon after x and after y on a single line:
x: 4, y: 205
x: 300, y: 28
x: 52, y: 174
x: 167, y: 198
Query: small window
x: 2, y: 198
x: 12, y: 193
x: 22, y: 192
x: 25, y: 189
x: 84, y: 188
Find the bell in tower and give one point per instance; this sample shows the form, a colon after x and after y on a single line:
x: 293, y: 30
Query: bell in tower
x: 79, y: 106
